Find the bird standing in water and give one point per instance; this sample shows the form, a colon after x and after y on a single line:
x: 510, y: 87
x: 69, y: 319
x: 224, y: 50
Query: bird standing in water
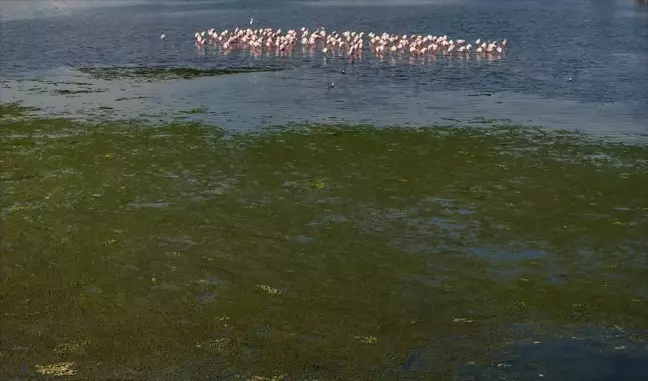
x: 349, y: 43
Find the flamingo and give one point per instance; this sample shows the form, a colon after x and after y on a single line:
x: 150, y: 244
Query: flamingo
x: 348, y: 43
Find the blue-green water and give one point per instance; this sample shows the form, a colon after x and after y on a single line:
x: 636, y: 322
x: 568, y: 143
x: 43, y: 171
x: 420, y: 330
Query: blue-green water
x: 602, y: 45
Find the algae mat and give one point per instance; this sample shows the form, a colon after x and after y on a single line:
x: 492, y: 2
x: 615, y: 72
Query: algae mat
x: 328, y: 252
x: 162, y: 73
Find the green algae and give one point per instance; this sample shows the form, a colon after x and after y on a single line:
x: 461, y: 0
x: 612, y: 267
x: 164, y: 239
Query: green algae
x: 14, y: 110
x: 56, y: 83
x: 129, y: 98
x: 195, y: 110
x: 162, y: 73
x: 309, y: 251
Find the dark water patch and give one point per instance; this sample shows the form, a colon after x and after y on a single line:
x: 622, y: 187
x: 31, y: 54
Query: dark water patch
x: 600, y: 355
x: 163, y: 73
x: 38, y: 90
x: 212, y: 281
x: 75, y: 92
x: 531, y: 254
x: 129, y: 98
x: 557, y: 279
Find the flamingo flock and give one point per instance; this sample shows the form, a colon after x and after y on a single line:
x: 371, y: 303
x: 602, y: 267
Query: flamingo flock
x: 351, y: 44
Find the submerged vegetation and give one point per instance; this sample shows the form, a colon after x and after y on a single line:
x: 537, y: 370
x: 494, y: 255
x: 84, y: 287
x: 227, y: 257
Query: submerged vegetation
x: 310, y: 252
x: 161, y: 73
x: 75, y: 92
x: 195, y: 110
x: 13, y: 110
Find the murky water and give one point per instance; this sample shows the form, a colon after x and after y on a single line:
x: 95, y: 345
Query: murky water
x: 602, y: 45
x: 139, y: 244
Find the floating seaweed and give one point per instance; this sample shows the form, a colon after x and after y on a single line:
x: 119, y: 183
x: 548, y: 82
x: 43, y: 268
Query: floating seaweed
x: 163, y: 73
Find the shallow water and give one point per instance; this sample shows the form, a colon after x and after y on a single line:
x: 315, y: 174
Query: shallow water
x: 602, y: 45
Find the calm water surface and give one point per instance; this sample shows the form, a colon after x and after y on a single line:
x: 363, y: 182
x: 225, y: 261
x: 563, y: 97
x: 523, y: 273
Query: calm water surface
x: 228, y: 251
x: 602, y: 45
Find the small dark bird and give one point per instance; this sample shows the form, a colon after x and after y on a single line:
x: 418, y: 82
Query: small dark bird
x: 343, y: 71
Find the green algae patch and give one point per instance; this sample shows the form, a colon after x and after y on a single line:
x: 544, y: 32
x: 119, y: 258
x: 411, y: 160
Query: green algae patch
x: 162, y: 73
x: 14, y: 110
x: 311, y: 251
x: 129, y: 98
x: 195, y: 110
